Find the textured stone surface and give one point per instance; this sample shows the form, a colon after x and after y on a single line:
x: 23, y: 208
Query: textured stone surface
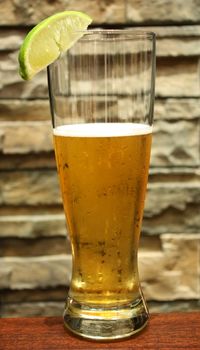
x: 172, y: 207
x: 31, y: 161
x: 177, y: 31
x: 18, y: 137
x: 158, y: 11
x: 32, y: 223
x: 32, y: 226
x: 34, y: 272
x: 34, y: 247
x: 177, y: 109
x: 31, y: 295
x: 178, y: 46
x: 168, y: 149
x: 137, y: 11
x: 173, y: 201
x: 51, y: 308
x: 28, y: 12
x: 165, y: 274
x: 175, y: 143
x: 172, y: 220
x: 177, y: 196
x: 38, y: 110
x: 36, y: 187
x: 169, y: 274
x: 11, y: 39
x: 12, y: 85
x: 174, y: 306
x: 175, y: 77
x: 29, y: 188
x: 171, y: 41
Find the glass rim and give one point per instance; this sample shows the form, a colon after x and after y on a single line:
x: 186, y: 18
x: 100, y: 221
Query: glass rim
x: 126, y: 34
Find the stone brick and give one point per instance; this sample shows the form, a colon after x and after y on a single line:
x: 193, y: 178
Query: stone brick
x: 9, y: 296
x: 174, y: 174
x: 172, y: 204
x: 174, y: 47
x: 35, y: 272
x: 29, y: 188
x: 174, y: 41
x: 28, y: 12
x: 178, y: 214
x: 32, y: 226
x: 173, y: 306
x: 33, y: 297
x: 139, y: 11
x: 12, y: 85
x: 175, y: 143
x: 48, y: 308
x: 175, y: 77
x: 169, y: 274
x: 28, y: 161
x: 170, y: 219
x: 10, y: 39
x: 177, y: 196
x: 168, y: 149
x: 25, y: 110
x: 165, y: 274
x: 53, y: 308
x: 32, y: 222
x: 174, y: 109
x: 162, y: 11
x: 171, y: 41
x: 167, y: 216
x: 35, y: 187
x: 33, y: 247
x: 170, y: 109
x: 18, y: 137
x: 177, y: 31
x: 38, y: 110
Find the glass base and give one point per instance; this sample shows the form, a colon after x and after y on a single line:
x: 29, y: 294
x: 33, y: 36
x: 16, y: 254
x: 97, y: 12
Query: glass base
x: 106, y: 323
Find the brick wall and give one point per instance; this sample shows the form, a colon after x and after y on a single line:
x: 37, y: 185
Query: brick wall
x: 34, y: 254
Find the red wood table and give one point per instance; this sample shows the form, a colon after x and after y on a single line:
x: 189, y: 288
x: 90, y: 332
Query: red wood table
x: 164, y: 332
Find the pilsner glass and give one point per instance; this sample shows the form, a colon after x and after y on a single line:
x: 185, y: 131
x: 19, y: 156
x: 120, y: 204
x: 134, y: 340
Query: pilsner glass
x: 101, y: 97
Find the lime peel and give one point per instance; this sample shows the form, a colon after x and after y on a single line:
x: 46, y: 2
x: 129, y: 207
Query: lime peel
x: 48, y: 39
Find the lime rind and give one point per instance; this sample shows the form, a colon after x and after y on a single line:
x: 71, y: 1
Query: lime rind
x: 47, y: 40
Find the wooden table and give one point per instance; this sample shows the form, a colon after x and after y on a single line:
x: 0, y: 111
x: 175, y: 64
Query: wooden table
x: 164, y: 332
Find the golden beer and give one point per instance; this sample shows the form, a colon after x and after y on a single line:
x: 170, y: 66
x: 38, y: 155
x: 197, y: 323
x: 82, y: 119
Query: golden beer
x: 103, y: 171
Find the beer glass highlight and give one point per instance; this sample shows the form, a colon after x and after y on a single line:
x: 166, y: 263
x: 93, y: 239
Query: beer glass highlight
x: 101, y: 97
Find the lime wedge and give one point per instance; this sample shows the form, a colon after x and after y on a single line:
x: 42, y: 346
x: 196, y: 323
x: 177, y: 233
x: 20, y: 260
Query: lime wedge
x: 44, y: 43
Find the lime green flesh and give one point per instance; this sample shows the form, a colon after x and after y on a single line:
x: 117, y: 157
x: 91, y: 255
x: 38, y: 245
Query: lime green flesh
x: 45, y: 42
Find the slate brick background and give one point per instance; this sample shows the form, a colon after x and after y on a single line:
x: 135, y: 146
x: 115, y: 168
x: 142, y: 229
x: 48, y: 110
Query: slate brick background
x: 35, y: 257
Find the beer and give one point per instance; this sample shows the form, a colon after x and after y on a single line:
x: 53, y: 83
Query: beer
x: 103, y: 171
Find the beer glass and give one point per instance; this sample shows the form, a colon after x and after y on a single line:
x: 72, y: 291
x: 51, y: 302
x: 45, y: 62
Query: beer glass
x: 101, y: 98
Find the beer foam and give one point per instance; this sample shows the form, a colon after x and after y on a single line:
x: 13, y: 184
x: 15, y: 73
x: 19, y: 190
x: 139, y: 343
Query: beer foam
x: 102, y: 129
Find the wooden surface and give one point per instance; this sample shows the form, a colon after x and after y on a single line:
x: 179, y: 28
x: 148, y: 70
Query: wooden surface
x: 164, y: 332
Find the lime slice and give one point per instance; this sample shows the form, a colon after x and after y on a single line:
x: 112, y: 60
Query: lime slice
x: 48, y: 39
